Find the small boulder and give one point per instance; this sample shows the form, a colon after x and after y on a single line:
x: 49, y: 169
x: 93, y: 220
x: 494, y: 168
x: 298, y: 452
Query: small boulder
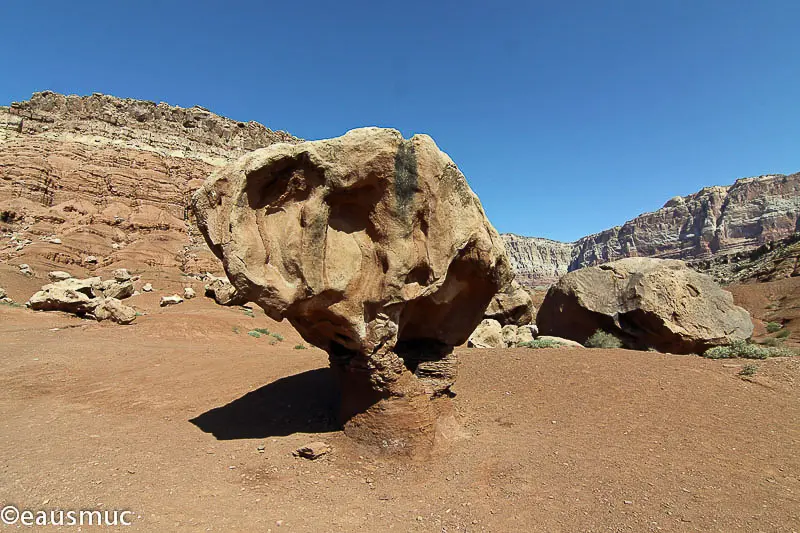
x: 114, y: 310
x: 58, y: 275
x: 526, y: 333
x: 509, y: 334
x: 25, y: 270
x: 171, y: 300
x: 55, y: 241
x: 111, y: 288
x: 147, y: 287
x: 122, y: 274
x: 188, y: 293
x: 223, y: 292
x: 566, y: 342
x: 90, y: 260
x: 313, y: 450
x: 488, y: 334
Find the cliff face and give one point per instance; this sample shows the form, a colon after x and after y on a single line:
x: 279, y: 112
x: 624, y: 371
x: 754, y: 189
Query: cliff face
x: 716, y: 221
x: 102, y: 149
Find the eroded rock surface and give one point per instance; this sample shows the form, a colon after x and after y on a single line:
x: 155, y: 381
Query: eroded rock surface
x: 646, y: 303
x: 512, y: 306
x: 376, y: 250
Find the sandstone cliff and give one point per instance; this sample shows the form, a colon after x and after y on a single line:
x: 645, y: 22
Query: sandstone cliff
x: 716, y: 221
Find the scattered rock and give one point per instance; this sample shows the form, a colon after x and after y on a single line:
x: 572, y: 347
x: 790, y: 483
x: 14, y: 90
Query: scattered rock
x: 188, y: 293
x: 25, y: 270
x: 527, y: 333
x: 646, y: 303
x: 2, y: 293
x: 223, y: 292
x: 511, y: 306
x: 122, y: 274
x: 90, y: 260
x: 170, y: 300
x: 488, y: 334
x: 58, y: 275
x: 509, y: 334
x: 313, y: 450
x: 55, y: 241
x: 147, y: 287
x: 114, y: 310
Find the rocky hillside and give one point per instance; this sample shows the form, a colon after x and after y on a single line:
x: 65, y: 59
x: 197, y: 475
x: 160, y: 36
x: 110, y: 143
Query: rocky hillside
x: 111, y: 177
x: 712, y: 223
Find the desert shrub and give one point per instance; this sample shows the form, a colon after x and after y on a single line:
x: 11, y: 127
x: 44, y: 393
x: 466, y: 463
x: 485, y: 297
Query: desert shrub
x: 249, y: 312
x: 601, y: 339
x: 771, y: 341
x: 783, y: 333
x: 540, y: 343
x: 772, y: 327
x: 277, y: 336
x: 263, y: 331
x: 299, y: 347
x: 254, y: 333
x: 745, y: 350
x: 748, y: 370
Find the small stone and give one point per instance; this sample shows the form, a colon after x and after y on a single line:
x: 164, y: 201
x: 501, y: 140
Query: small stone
x: 90, y: 260
x: 55, y: 241
x: 122, y: 274
x: 170, y: 300
x: 628, y: 502
x: 188, y: 293
x: 25, y: 270
x: 313, y: 450
x: 147, y: 287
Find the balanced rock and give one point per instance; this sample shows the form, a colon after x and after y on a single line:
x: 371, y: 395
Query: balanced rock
x: 58, y: 275
x: 70, y: 295
x: 114, y: 310
x: 375, y: 249
x: 646, y: 303
x: 512, y: 305
x: 223, y: 292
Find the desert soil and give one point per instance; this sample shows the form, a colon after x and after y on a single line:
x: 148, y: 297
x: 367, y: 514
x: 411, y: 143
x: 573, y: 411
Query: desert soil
x: 166, y: 417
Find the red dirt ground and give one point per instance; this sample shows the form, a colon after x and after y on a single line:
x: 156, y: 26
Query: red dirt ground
x: 165, y: 418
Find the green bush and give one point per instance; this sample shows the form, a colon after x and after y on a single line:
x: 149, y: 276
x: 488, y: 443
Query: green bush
x: 745, y: 350
x: 783, y: 333
x: 540, y: 343
x: 771, y: 341
x: 277, y: 336
x: 254, y: 333
x: 748, y: 370
x: 299, y: 347
x: 772, y: 327
x: 263, y: 331
x: 601, y: 339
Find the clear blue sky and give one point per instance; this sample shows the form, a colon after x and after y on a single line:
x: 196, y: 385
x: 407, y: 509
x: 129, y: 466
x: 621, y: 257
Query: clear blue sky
x: 567, y: 117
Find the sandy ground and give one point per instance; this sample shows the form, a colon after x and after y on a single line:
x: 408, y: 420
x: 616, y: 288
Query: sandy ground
x: 165, y: 418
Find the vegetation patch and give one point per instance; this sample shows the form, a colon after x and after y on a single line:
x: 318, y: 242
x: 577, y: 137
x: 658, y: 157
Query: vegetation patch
x: 254, y: 333
x: 783, y: 333
x: 263, y: 331
x: 746, y: 350
x: 748, y: 370
x: 278, y: 336
x: 540, y: 343
x: 299, y: 346
x: 601, y: 339
x: 772, y: 327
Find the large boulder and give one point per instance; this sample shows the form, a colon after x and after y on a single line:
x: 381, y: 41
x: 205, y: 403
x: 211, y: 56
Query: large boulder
x: 71, y: 295
x: 646, y: 303
x: 376, y: 250
x: 113, y: 288
x: 511, y: 306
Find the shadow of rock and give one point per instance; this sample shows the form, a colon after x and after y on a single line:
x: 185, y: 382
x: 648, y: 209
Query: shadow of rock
x: 304, y: 403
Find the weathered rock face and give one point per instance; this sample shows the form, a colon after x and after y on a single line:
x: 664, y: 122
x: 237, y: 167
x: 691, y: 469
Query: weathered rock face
x: 114, y: 310
x: 715, y: 221
x: 112, y: 178
x: 375, y: 249
x: 71, y: 295
x: 511, y: 306
x: 646, y: 303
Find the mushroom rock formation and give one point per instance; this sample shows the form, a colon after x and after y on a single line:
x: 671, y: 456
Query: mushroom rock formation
x: 376, y: 250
